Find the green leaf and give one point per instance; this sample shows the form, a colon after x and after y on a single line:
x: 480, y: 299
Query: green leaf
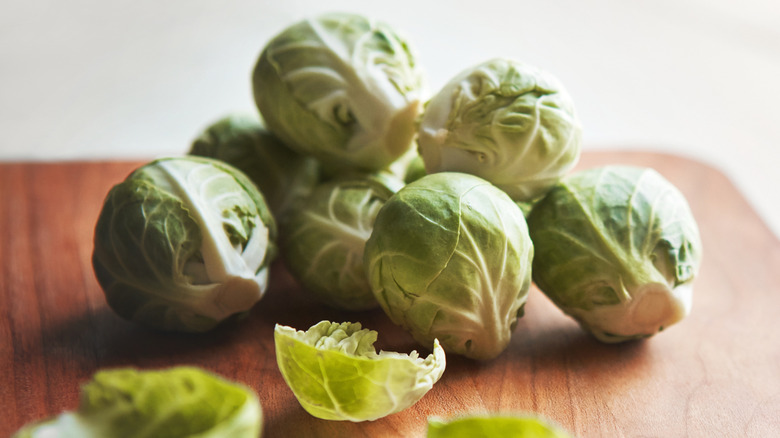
x: 336, y: 374
x: 485, y: 426
x: 177, y: 402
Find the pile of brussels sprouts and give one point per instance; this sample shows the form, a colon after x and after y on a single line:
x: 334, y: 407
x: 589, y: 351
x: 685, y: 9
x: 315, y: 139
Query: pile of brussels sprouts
x: 441, y: 209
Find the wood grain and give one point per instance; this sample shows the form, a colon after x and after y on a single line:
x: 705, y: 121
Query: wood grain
x: 717, y: 373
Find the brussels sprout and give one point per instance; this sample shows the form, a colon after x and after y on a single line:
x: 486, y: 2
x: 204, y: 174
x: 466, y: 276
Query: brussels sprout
x: 504, y: 426
x: 183, y: 244
x: 175, y: 403
x: 509, y: 123
x: 284, y: 177
x: 324, y: 240
x: 342, y: 88
x: 450, y: 258
x: 336, y: 374
x: 617, y: 248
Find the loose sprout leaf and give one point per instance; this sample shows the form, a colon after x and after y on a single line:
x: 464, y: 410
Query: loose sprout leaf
x: 507, y: 122
x: 177, y: 402
x: 336, y: 374
x: 617, y: 248
x: 497, y: 425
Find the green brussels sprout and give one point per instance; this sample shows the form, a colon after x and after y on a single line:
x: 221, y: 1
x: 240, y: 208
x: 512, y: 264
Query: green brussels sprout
x: 174, y: 403
x: 342, y: 88
x: 503, y: 425
x: 284, y: 177
x: 323, y: 241
x: 336, y: 374
x: 509, y: 123
x: 617, y: 249
x: 183, y: 244
x: 450, y: 258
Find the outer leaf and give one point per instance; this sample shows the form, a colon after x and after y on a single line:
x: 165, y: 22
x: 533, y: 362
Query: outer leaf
x: 450, y: 258
x: 336, y: 374
x: 342, y: 88
x: 504, y: 426
x: 179, y: 402
x: 183, y: 244
x: 617, y: 248
x: 507, y: 122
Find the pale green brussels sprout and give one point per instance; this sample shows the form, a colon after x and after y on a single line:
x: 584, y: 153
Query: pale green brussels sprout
x: 450, y: 258
x: 174, y: 403
x: 617, y: 248
x: 336, y: 374
x: 284, y: 177
x: 496, y: 425
x: 342, y: 88
x: 323, y: 240
x: 507, y: 122
x: 183, y: 244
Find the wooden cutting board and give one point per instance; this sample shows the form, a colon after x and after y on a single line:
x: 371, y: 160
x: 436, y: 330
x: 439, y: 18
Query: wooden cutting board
x: 717, y: 373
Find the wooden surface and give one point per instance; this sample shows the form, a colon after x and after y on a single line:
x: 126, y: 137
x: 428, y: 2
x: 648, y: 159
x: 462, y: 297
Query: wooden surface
x: 717, y: 373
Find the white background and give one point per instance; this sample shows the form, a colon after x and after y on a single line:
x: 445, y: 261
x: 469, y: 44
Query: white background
x: 89, y: 79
